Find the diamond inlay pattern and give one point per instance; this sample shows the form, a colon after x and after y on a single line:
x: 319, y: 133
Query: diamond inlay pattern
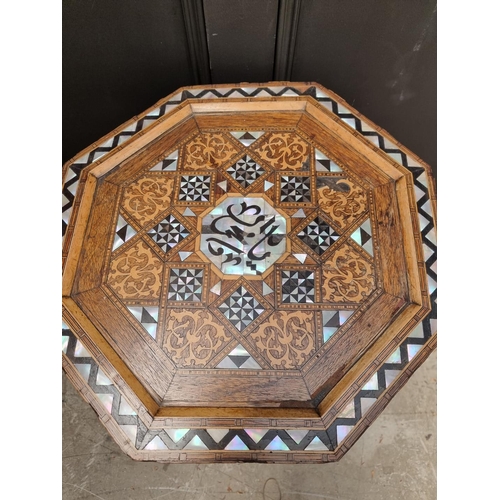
x: 185, y: 285
x: 241, y: 308
x: 295, y: 189
x: 318, y: 235
x: 297, y: 286
x: 194, y: 188
x: 168, y: 233
x: 302, y: 308
x: 245, y: 171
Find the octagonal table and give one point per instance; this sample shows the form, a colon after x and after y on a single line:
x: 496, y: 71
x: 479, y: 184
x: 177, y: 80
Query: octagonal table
x: 249, y: 274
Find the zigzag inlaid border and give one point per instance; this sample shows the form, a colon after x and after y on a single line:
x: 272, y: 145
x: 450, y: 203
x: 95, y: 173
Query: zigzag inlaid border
x: 359, y: 411
x: 391, y: 374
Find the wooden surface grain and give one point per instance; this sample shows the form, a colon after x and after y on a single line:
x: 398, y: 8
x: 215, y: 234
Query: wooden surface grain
x: 304, y: 380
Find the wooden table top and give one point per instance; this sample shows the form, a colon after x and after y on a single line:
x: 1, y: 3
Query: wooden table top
x: 249, y: 274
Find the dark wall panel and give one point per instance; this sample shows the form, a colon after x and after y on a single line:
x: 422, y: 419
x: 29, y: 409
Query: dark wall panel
x: 119, y: 58
x: 241, y: 38
x: 380, y: 56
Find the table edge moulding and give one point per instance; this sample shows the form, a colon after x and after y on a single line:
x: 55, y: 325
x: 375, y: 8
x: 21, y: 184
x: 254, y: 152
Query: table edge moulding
x: 311, y: 407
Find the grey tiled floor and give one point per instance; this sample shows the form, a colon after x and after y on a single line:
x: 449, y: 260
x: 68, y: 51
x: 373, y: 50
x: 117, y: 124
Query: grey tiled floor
x: 394, y: 459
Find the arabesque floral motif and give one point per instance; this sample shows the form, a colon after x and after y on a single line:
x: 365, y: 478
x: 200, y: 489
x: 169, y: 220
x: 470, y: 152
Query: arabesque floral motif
x: 342, y: 207
x: 136, y: 273
x: 286, y: 339
x: 347, y: 276
x: 145, y: 198
x: 193, y: 337
x: 284, y: 151
x: 207, y: 151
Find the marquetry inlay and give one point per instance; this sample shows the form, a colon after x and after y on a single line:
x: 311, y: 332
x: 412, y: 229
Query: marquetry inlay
x: 246, y: 277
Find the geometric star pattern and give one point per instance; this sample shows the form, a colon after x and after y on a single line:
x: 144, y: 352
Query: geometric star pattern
x: 362, y: 237
x: 318, y: 235
x: 241, y: 308
x: 195, y: 188
x: 245, y: 171
x: 295, y: 189
x: 297, y: 286
x: 168, y: 233
x: 185, y: 285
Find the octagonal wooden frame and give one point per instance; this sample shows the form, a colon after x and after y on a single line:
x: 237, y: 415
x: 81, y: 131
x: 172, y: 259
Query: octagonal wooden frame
x: 392, y: 186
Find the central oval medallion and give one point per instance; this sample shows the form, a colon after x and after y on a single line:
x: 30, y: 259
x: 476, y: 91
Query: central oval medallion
x: 243, y: 236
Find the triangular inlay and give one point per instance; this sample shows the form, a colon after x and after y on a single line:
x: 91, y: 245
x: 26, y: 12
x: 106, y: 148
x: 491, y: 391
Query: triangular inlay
x: 390, y: 375
x: 268, y: 185
x: 184, y: 255
x: 107, y: 401
x: 168, y: 164
x: 102, y: 379
x: 299, y: 214
x: 297, y: 435
x: 363, y: 236
x: 176, y: 434
x: 147, y: 317
x: 81, y: 351
x: 239, y: 358
x: 123, y: 232
x: 156, y: 444
x: 348, y: 411
x: 277, y: 444
x: 413, y: 350
x: 195, y: 444
x: 372, y: 384
x: 236, y: 444
x: 301, y: 257
x: 332, y: 321
x: 216, y: 288
x: 342, y: 431
x: 256, y: 434
x: 366, y: 403
x: 325, y: 164
x: 130, y: 431
x: 188, y: 213
x: 316, y: 445
x: 247, y: 138
x: 83, y: 370
x: 217, y: 434
x: 125, y: 408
